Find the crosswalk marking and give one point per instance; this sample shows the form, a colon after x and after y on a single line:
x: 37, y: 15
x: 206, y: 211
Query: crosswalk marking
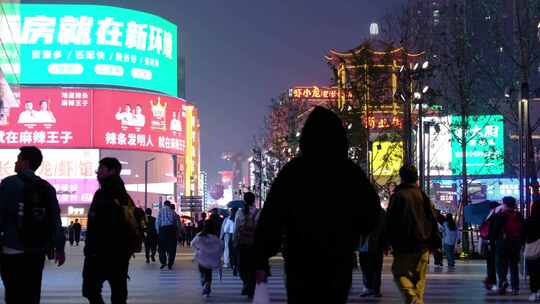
x: 150, y: 285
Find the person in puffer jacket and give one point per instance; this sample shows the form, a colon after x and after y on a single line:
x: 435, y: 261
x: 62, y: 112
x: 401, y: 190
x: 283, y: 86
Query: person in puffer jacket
x: 208, y: 251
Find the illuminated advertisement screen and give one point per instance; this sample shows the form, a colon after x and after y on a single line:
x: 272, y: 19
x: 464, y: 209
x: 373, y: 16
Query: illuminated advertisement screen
x: 137, y: 121
x: 387, y: 158
x: 96, y: 118
x: 493, y: 189
x: 438, y: 138
x: 70, y: 171
x: 49, y: 117
x: 9, y: 48
x: 94, y: 44
x: 485, y: 145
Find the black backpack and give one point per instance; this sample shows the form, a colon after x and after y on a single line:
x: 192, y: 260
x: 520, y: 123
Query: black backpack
x: 35, y: 221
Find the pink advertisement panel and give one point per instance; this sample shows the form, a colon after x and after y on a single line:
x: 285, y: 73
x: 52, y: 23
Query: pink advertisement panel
x: 70, y: 171
x: 48, y: 117
x: 138, y: 121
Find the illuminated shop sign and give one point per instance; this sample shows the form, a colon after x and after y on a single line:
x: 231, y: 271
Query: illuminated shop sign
x: 315, y: 92
x: 94, y: 44
x: 387, y: 158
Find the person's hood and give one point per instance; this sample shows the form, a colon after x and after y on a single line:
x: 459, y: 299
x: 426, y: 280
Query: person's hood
x: 323, y: 135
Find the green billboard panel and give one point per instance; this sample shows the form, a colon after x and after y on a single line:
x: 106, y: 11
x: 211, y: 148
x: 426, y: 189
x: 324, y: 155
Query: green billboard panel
x: 101, y: 45
x: 9, y: 47
x: 485, y: 145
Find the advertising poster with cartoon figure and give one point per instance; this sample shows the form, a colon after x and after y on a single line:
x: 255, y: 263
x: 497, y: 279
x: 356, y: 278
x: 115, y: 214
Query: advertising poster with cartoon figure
x: 51, y: 117
x: 138, y: 121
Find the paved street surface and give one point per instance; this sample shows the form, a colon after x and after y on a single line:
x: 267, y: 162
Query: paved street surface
x: 149, y: 284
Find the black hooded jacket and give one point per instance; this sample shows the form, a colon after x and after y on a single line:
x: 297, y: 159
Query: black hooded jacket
x: 318, y: 207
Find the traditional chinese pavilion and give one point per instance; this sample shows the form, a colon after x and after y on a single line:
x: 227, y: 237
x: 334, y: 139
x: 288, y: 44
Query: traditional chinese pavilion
x: 371, y: 72
x: 374, y: 66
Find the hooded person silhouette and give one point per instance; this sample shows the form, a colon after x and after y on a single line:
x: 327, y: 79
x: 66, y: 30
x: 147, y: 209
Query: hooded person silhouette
x: 320, y: 181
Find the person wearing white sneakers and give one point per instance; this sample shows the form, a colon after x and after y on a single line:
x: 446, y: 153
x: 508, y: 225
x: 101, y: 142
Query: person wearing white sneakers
x: 532, y: 249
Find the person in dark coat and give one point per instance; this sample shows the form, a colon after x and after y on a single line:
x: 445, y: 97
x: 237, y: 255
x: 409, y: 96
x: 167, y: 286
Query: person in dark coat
x: 200, y: 223
x: 150, y: 237
x: 413, y: 232
x: 106, y: 249
x: 71, y: 235
x: 318, y: 262
x: 507, y: 227
x: 488, y: 248
x: 532, y: 234
x: 77, y: 231
x: 437, y: 253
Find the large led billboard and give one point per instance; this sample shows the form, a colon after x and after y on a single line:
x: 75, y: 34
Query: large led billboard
x: 70, y: 171
x: 437, y: 141
x: 9, y: 48
x: 95, y: 44
x: 49, y: 117
x: 96, y: 118
x: 484, y: 144
x: 137, y: 121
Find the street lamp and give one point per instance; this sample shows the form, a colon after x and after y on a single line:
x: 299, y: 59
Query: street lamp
x: 146, y: 162
x: 411, y: 76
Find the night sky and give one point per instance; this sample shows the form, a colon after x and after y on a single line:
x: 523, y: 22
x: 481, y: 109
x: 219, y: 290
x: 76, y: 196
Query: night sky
x: 243, y: 53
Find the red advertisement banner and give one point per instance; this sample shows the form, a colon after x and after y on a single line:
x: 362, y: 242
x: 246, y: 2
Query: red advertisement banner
x: 48, y: 117
x: 138, y: 121
x: 95, y: 118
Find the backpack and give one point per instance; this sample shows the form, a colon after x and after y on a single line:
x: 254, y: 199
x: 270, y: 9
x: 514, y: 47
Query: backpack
x: 135, y: 226
x: 512, y: 227
x: 34, y: 222
x: 246, y: 232
x: 484, y: 229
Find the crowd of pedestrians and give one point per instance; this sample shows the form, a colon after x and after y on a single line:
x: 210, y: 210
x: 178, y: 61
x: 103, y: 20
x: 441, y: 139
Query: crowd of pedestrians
x: 508, y: 239
x: 246, y: 238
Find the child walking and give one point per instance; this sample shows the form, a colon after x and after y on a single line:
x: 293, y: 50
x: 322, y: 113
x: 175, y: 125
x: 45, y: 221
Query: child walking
x: 208, y: 251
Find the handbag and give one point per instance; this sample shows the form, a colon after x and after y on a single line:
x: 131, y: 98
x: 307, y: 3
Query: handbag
x: 532, y: 250
x: 261, y: 295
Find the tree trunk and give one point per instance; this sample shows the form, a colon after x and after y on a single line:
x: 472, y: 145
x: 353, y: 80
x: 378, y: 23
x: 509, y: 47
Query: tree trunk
x: 464, y: 180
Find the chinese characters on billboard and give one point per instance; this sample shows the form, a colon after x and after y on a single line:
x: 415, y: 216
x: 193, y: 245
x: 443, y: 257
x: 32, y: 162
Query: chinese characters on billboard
x: 379, y: 118
x: 316, y: 93
x: 485, y: 145
x: 48, y: 117
x: 136, y: 121
x: 96, y: 118
x: 94, y: 44
x: 70, y: 171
